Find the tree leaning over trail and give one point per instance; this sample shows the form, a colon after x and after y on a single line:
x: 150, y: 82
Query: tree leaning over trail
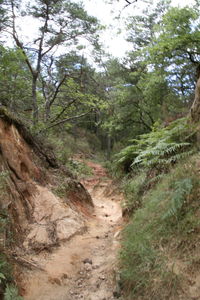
x: 60, y: 23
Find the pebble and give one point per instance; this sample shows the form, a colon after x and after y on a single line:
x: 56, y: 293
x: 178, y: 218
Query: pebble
x: 65, y: 276
x: 88, y: 267
x: 87, y: 261
x: 95, y: 267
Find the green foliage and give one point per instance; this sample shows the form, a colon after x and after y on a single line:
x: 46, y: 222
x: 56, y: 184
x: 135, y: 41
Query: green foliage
x: 11, y: 293
x: 5, y: 270
x: 181, y: 189
x: 160, y: 148
x: 169, y: 212
x: 14, y: 80
x: 179, y: 33
x: 133, y: 190
x: 73, y: 141
x: 79, y: 168
x: 62, y: 188
x: 6, y: 279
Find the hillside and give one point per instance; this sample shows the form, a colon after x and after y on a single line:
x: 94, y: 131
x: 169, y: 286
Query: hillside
x: 160, y: 248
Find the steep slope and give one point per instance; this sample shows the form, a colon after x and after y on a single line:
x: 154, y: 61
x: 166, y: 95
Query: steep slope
x: 38, y: 219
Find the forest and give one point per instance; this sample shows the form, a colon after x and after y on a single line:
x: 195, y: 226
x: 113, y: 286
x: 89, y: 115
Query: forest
x: 138, y: 116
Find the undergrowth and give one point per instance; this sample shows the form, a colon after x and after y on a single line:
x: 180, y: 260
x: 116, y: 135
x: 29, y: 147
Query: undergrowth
x: 133, y: 190
x: 167, y: 214
x: 79, y: 168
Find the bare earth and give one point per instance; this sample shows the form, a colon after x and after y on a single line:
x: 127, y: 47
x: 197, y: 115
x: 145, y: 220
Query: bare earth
x: 84, y: 267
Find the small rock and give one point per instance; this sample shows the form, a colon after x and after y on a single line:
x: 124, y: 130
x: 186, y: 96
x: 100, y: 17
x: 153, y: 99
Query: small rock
x: 106, y: 215
x: 54, y: 280
x: 97, y: 237
x: 116, y: 234
x: 87, y: 261
x: 106, y: 235
x: 95, y: 267
x: 65, y: 276
x: 88, y: 267
x: 102, y: 277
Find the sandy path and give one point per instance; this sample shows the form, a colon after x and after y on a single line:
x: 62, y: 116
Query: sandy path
x: 84, y: 267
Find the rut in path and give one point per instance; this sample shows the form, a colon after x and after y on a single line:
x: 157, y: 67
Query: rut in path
x: 84, y: 267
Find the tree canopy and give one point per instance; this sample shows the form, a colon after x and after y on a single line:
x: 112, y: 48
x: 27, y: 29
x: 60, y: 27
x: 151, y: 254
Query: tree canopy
x: 46, y: 74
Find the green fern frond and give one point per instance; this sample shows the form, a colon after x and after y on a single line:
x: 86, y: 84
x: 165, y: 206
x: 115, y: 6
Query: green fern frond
x: 159, y: 148
x: 182, y: 189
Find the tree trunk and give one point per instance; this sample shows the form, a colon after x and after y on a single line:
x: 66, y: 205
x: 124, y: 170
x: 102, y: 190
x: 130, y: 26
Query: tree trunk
x: 47, y: 111
x: 34, y: 100
x: 108, y: 147
x: 195, y: 109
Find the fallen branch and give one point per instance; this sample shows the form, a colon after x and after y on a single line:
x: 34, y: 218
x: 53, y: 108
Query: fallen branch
x: 27, y: 263
x: 65, y: 120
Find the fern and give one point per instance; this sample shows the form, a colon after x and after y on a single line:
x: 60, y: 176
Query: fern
x: 11, y: 293
x: 159, y: 148
x: 182, y: 189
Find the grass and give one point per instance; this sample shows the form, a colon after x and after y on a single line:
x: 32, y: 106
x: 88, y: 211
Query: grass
x: 133, y: 190
x: 166, y: 223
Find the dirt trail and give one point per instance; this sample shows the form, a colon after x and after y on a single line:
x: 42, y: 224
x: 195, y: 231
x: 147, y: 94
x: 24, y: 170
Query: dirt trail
x: 84, y: 267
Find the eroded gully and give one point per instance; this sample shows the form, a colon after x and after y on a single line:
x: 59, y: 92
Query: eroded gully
x: 84, y: 267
